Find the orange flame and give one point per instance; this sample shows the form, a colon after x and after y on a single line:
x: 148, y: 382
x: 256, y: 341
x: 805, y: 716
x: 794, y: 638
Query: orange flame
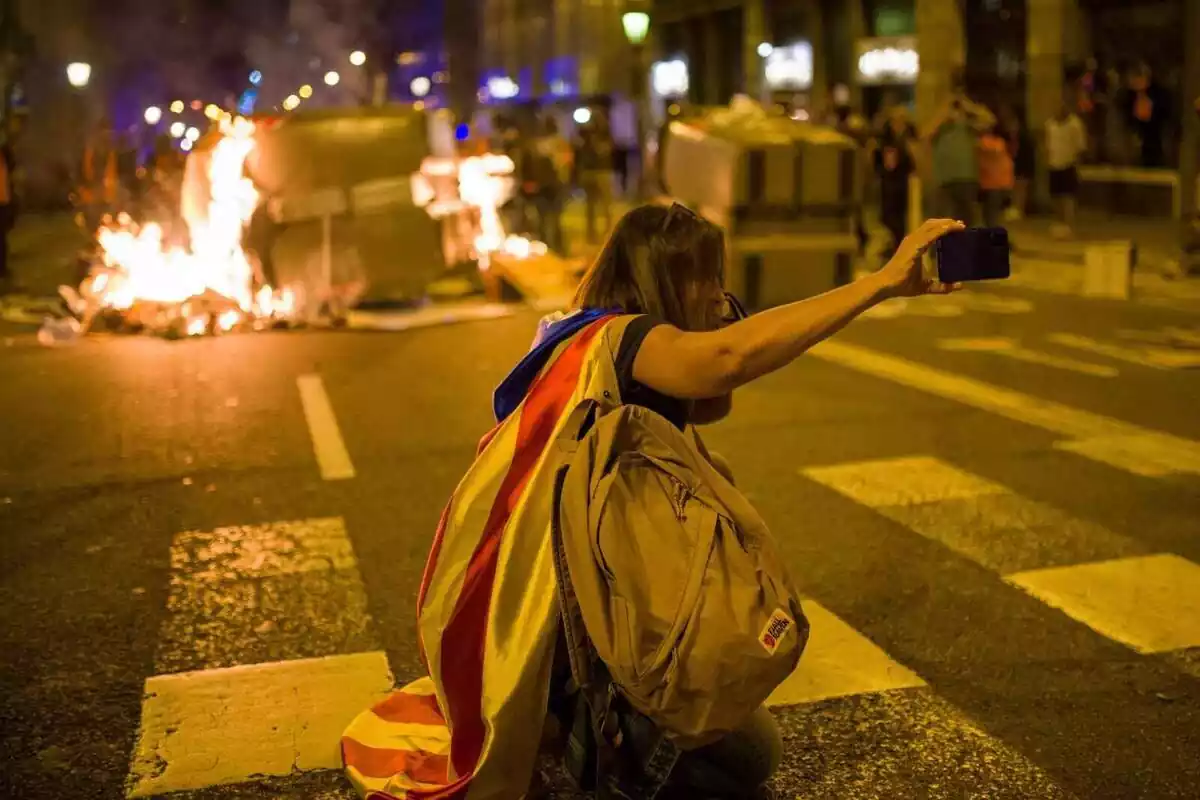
x: 485, y: 183
x: 143, y: 269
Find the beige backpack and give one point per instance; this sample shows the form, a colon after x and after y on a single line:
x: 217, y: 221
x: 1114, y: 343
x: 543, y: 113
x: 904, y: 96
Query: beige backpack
x: 670, y: 576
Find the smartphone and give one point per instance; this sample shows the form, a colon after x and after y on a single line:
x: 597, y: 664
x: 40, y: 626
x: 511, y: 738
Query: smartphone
x: 972, y: 254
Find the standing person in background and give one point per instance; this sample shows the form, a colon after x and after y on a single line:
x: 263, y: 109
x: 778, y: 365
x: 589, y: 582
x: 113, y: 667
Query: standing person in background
x: 1022, y: 149
x: 1066, y: 141
x: 996, y: 174
x: 1147, y: 106
x: 127, y: 167
x: 8, y: 201
x: 851, y: 124
x: 895, y: 161
x: 99, y: 178
x: 595, y: 165
x: 547, y: 177
x: 952, y: 136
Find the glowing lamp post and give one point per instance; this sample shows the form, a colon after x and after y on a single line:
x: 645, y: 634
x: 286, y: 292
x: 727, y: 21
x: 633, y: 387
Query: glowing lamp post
x: 332, y: 78
x: 153, y: 115
x: 420, y: 86
x: 78, y: 74
x: 358, y: 58
x: 637, y: 27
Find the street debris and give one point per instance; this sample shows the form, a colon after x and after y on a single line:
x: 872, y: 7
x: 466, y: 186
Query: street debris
x: 142, y: 282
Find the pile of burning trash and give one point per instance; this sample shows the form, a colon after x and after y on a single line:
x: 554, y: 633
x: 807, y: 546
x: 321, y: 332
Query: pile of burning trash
x: 141, y: 283
x: 146, y: 277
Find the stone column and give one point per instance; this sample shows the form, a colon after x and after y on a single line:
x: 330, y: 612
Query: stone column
x: 754, y: 27
x: 819, y: 96
x: 712, y: 61
x: 1045, y: 50
x: 510, y: 39
x: 941, y: 45
x: 856, y: 28
x: 1045, y: 53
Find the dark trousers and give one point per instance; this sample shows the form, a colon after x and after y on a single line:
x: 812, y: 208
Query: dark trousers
x: 893, y: 211
x: 7, y: 220
x: 957, y: 201
x: 994, y: 201
x: 549, y: 213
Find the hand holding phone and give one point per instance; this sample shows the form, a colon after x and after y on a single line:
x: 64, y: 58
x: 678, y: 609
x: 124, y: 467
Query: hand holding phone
x: 973, y: 254
x: 904, y: 274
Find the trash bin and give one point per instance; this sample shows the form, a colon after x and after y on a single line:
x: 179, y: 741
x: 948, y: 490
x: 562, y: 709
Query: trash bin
x: 785, y: 192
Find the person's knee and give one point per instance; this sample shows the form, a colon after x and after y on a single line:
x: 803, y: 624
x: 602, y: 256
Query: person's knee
x: 764, y: 731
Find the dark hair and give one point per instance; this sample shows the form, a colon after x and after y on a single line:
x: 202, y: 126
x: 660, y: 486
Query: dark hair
x: 659, y: 260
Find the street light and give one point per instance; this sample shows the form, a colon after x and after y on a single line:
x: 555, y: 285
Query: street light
x: 420, y: 86
x: 153, y: 115
x: 582, y: 115
x: 305, y: 92
x: 212, y: 111
x: 192, y: 134
x: 765, y: 49
x: 177, y: 129
x: 636, y: 25
x: 332, y: 78
x: 177, y: 107
x: 358, y: 58
x: 78, y: 74
x: 290, y: 102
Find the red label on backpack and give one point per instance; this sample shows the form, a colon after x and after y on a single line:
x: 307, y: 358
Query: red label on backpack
x: 774, y: 631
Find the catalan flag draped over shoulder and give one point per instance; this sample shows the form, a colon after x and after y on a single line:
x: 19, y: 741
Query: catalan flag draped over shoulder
x: 487, y: 611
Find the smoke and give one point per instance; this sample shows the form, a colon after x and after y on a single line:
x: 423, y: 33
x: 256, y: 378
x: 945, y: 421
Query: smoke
x: 317, y: 38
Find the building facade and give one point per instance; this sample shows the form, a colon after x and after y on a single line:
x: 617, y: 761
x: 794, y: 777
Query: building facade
x: 1017, y: 53
x: 538, y: 50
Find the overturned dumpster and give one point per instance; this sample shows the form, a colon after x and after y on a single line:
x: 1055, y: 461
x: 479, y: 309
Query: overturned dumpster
x: 786, y: 193
x: 337, y: 219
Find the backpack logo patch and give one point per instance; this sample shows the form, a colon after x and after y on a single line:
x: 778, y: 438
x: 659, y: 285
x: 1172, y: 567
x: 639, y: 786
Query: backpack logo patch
x: 774, y: 631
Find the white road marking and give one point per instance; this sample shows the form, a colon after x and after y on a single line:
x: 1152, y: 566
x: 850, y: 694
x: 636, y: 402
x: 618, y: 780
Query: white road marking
x: 1150, y: 603
x: 255, y: 551
x: 1161, y: 450
x: 1009, y: 348
x: 902, y: 481
x: 839, y: 661
x: 1145, y: 455
x: 227, y: 725
x: 976, y: 518
x: 953, y: 306
x: 1152, y: 357
x: 332, y: 456
x: 207, y: 726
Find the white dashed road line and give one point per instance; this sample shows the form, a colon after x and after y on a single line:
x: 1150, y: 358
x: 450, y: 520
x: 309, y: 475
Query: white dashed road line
x: 332, y: 456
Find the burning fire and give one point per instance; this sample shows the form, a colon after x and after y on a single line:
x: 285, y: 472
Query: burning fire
x: 210, y: 285
x: 484, y: 183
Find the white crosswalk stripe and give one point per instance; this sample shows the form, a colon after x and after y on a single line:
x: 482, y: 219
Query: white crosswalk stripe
x: 1141, y: 451
x: 247, y: 683
x: 1147, y: 601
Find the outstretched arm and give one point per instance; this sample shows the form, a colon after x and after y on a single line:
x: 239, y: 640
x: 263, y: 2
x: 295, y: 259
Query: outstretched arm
x: 711, y: 364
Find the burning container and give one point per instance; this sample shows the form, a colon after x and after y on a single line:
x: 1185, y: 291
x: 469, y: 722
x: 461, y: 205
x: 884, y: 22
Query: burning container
x: 785, y: 191
x: 336, y: 217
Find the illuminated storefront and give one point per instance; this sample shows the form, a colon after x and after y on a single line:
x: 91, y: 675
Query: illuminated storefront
x: 886, y: 69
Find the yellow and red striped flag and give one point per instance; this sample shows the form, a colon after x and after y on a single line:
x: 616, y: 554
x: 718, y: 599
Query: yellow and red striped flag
x: 488, y: 611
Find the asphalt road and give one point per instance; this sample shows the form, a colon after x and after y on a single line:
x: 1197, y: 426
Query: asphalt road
x: 997, y: 527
